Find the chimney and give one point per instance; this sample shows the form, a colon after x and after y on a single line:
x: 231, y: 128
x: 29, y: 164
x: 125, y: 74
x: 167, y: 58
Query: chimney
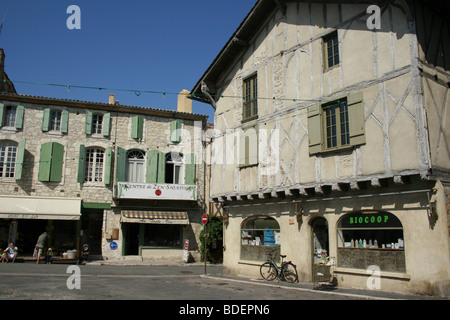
x: 184, y: 103
x: 111, y: 99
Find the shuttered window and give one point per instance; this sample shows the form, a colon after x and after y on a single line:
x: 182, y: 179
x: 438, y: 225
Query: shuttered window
x: 248, y: 147
x: 336, y: 125
x: 98, y: 123
x: 137, y: 127
x: 51, y: 162
x: 175, y: 131
x: 156, y: 167
x: 11, y: 116
x: 8, y: 158
x: 55, y: 120
x: 94, y: 165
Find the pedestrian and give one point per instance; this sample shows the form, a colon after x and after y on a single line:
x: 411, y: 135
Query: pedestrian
x: 10, y: 253
x: 48, y: 256
x: 40, y: 245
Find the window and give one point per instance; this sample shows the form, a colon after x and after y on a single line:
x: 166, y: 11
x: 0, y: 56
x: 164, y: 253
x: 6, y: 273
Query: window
x: 137, y: 127
x: 336, y: 125
x: 51, y: 162
x: 175, y: 131
x: 94, y: 165
x: 259, y: 236
x: 248, y: 147
x: 250, y: 97
x: 8, y: 153
x: 98, y: 123
x: 371, y: 238
x: 11, y: 116
x: 167, y: 236
x: 331, y: 50
x: 135, y: 170
x: 174, y: 163
x: 55, y: 120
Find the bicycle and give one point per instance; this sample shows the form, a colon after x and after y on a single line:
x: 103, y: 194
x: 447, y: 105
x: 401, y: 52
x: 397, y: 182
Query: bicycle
x: 286, y: 272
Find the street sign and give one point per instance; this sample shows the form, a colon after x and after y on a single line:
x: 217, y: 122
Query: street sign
x: 205, y: 218
x: 113, y: 245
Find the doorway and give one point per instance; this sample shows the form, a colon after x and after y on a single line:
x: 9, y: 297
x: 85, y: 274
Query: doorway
x: 320, y: 241
x: 131, y: 236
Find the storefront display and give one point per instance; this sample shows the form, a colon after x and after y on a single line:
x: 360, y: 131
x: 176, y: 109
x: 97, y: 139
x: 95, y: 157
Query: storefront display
x: 371, y: 238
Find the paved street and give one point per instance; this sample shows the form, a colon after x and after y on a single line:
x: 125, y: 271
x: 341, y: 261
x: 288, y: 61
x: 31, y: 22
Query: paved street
x: 188, y: 282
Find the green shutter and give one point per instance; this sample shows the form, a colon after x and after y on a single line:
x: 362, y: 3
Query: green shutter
x: 51, y: 162
x: 64, y: 121
x: 189, y: 169
x: 88, y: 125
x: 20, y: 110
x: 161, y: 167
x: 56, y: 162
x: 106, y: 124
x: 137, y: 127
x: 19, y: 160
x: 175, y: 131
x: 46, y: 120
x: 356, y: 118
x: 121, y: 162
x: 314, y: 129
x: 152, y: 166
x: 45, y: 162
x: 108, y: 165
x: 2, y: 113
x: 81, y: 164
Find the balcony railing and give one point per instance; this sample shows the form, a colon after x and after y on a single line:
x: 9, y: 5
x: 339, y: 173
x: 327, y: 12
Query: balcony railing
x: 155, y: 191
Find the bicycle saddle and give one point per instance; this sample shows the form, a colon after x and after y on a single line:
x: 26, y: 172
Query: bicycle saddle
x: 282, y: 256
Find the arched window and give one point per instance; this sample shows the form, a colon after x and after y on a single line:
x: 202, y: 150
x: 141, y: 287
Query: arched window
x: 371, y: 238
x: 259, y: 236
x: 135, y: 170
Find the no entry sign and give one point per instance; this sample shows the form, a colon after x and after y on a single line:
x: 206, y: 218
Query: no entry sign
x: 205, y: 218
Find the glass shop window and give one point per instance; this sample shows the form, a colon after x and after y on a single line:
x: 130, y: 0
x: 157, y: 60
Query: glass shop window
x: 259, y: 236
x: 371, y: 238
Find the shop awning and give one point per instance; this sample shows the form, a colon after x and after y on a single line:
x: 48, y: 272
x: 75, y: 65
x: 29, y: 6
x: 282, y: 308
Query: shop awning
x: 155, y: 217
x: 22, y: 207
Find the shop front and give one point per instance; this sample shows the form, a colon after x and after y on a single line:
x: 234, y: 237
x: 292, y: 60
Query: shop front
x: 24, y: 219
x: 400, y: 238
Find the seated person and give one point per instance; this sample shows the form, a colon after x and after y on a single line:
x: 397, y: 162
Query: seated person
x: 10, y: 253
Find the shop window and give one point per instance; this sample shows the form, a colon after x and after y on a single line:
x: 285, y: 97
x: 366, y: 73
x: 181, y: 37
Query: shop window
x: 368, y: 238
x: 162, y: 236
x: 259, y: 236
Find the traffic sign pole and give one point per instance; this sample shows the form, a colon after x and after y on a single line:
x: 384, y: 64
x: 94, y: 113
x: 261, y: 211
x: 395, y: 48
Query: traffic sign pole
x: 205, y: 219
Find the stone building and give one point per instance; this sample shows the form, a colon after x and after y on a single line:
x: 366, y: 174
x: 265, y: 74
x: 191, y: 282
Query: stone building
x: 331, y: 141
x: 127, y: 180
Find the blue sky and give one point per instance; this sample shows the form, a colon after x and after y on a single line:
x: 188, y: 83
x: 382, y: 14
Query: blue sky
x: 162, y: 46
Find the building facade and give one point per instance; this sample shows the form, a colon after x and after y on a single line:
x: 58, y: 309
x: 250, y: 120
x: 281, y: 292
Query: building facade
x: 126, y: 180
x: 330, y: 141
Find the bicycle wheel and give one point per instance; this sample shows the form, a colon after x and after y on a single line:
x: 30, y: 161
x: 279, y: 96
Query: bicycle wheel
x: 268, y: 271
x: 289, y: 272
